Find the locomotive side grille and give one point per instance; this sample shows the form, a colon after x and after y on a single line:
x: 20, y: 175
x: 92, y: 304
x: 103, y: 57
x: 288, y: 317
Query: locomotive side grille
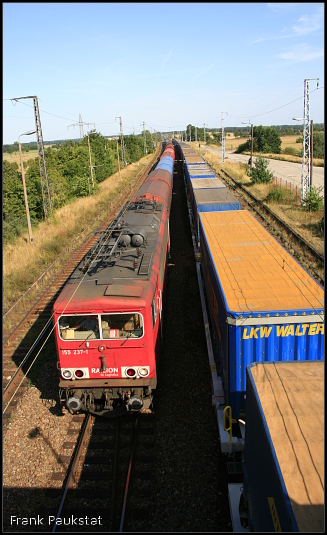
x: 145, y: 264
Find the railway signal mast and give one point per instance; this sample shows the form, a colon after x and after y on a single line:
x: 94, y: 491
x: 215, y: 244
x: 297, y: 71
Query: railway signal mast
x: 40, y: 149
x: 122, y: 141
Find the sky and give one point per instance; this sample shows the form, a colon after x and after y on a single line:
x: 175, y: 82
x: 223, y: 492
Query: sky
x: 163, y: 64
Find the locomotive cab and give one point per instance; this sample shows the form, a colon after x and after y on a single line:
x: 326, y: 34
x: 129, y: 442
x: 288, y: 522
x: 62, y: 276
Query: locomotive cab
x: 113, y: 348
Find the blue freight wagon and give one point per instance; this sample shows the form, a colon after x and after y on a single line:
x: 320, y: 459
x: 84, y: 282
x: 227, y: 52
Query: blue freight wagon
x: 264, y: 306
x: 283, y: 467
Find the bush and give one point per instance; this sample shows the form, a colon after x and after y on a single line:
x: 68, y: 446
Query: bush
x: 260, y: 174
x: 313, y: 200
x: 299, y: 140
x: 280, y: 195
x: 292, y: 151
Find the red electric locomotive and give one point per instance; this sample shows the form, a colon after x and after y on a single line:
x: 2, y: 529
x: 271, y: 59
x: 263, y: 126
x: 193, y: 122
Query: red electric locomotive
x: 108, y: 318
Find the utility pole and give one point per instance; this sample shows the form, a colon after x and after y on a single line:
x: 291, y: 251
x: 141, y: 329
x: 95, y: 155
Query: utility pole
x: 311, y: 152
x: 24, y: 187
x: 81, y: 131
x: 307, y: 159
x: 40, y: 148
x: 306, y: 178
x: 118, y: 159
x: 88, y: 142
x: 222, y: 138
x: 145, y: 149
x: 196, y: 135
x: 122, y: 141
x: 251, y: 161
x: 204, y: 127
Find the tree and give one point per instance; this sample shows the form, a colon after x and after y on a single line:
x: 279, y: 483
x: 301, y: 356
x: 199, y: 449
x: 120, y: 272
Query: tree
x: 260, y: 174
x: 318, y: 145
x: 265, y: 139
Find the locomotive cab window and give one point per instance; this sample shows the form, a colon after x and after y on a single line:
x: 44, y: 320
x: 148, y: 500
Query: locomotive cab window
x: 154, y: 310
x: 79, y: 327
x: 121, y: 326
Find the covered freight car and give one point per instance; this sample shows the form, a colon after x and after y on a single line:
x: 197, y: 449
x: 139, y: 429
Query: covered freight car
x: 198, y: 172
x: 264, y: 306
x: 212, y: 200
x: 284, y: 447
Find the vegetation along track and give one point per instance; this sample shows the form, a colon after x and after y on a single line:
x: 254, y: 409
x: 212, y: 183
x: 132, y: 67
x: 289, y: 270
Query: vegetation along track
x: 107, y: 481
x: 311, y: 259
x: 22, y: 338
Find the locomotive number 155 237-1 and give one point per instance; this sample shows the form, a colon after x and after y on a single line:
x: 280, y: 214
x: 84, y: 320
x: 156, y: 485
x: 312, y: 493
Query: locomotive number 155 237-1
x: 74, y: 351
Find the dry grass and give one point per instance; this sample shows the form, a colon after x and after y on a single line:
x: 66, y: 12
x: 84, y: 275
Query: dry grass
x: 23, y: 263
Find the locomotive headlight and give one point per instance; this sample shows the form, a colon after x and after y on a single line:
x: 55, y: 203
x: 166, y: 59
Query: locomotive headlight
x: 66, y: 374
x: 143, y: 372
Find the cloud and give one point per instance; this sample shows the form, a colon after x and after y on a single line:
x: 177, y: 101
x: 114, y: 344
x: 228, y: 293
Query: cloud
x: 308, y: 24
x: 305, y: 25
x: 300, y: 54
x: 166, y: 59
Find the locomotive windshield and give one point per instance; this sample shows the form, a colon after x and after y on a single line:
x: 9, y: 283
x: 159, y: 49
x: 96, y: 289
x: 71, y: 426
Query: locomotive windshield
x: 122, y: 326
x: 113, y: 326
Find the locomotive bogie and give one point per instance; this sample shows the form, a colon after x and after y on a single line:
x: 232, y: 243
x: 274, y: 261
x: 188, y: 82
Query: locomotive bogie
x: 107, y: 401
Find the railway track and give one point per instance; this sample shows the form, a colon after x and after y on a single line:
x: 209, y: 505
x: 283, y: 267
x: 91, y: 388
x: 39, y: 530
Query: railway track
x: 107, y: 484
x: 23, y: 340
x: 311, y: 259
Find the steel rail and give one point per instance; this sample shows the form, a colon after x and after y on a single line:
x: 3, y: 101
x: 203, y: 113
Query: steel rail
x: 64, y: 251
x: 294, y: 234
x: 275, y: 216
x: 122, y: 520
x: 114, y: 475
x: 39, y: 338
x: 86, y: 428
x: 61, y: 255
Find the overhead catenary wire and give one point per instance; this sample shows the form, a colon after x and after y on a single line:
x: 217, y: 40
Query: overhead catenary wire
x: 271, y: 111
x: 103, y: 245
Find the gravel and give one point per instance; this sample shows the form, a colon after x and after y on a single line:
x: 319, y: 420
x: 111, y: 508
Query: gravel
x: 189, y: 486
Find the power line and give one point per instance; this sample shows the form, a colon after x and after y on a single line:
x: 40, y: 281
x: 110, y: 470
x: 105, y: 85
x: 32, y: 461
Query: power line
x: 259, y: 114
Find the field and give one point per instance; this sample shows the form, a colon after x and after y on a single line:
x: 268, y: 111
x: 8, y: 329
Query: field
x: 231, y: 144
x: 14, y: 157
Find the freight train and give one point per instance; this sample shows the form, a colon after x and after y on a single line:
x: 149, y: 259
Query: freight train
x: 267, y: 320
x: 108, y: 318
